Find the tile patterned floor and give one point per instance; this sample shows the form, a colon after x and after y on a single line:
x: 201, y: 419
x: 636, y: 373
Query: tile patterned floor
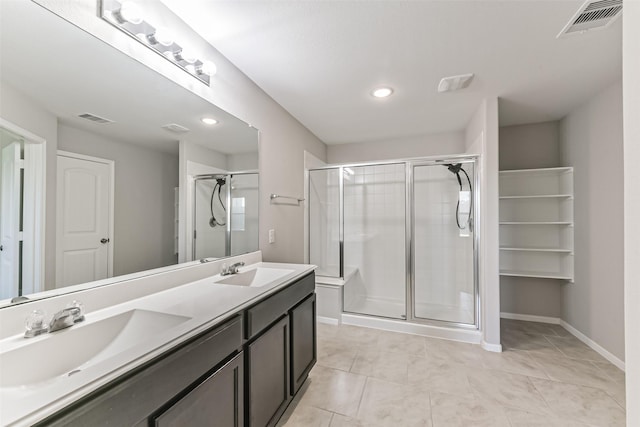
x: 545, y: 377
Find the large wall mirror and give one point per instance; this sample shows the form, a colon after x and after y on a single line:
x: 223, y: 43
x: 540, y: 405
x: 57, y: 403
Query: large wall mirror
x: 107, y: 168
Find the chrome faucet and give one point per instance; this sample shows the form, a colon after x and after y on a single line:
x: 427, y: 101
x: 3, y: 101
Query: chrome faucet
x: 232, y: 269
x: 66, y: 317
x: 69, y: 316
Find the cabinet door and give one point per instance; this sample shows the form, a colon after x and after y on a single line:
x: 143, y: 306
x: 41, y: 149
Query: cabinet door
x: 268, y: 375
x: 303, y: 341
x: 217, y: 401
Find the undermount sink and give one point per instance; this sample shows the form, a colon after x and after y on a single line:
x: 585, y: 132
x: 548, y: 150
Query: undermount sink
x: 256, y: 277
x: 63, y: 353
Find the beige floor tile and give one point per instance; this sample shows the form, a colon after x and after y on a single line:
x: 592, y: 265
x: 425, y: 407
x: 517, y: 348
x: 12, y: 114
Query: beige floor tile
x: 335, y: 354
x: 372, y: 362
x: 503, y: 388
x: 342, y: 421
x: 390, y: 404
x: 402, y: 343
x: 333, y: 390
x: 453, y: 411
x: 579, y: 403
x: 305, y: 416
x: 326, y: 331
x: 440, y: 376
x: 520, y: 418
x: 575, y: 371
x: 530, y: 327
x: 520, y: 340
x: 517, y: 362
x: 575, y: 349
x: 611, y: 370
x: 355, y: 335
x: 454, y: 352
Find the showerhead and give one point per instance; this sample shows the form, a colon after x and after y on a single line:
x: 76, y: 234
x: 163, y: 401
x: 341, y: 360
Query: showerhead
x: 454, y: 168
x: 221, y: 181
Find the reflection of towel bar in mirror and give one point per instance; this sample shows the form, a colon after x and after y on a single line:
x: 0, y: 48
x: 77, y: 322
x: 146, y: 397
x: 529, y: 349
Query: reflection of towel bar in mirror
x: 279, y: 196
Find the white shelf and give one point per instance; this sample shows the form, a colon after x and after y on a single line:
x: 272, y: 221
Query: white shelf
x: 560, y: 170
x: 556, y: 250
x: 514, y: 273
x: 536, y: 223
x: 539, y: 196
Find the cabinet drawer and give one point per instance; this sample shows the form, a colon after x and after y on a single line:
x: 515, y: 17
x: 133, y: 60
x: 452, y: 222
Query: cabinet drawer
x: 217, y: 400
x: 136, y: 396
x: 268, y: 311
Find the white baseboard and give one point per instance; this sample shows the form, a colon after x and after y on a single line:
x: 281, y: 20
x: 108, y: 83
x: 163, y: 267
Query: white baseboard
x: 496, y: 348
x: 573, y: 331
x: 328, y: 320
x: 594, y: 345
x: 531, y: 318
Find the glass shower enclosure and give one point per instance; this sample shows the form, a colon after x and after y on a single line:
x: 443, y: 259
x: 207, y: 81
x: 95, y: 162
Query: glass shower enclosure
x: 402, y: 235
x: 225, y: 215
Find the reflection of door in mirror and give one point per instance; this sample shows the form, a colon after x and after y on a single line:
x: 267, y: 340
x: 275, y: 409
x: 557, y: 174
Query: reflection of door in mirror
x: 21, y: 216
x: 84, y: 215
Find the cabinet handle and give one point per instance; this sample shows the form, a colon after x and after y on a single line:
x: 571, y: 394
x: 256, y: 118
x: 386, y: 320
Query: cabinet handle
x: 104, y: 240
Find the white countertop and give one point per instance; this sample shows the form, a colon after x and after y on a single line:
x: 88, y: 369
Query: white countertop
x: 204, y: 302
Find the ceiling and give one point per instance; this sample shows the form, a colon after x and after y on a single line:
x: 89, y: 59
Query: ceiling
x: 321, y: 59
x: 69, y: 72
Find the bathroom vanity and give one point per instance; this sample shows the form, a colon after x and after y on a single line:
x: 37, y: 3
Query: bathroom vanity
x: 240, y: 364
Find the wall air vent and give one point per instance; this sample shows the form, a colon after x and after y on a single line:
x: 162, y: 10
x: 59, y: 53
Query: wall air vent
x: 593, y: 15
x: 94, y: 118
x: 175, y: 128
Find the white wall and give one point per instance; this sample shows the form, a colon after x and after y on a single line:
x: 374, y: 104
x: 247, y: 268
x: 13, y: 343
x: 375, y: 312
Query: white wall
x: 282, y: 138
x: 631, y: 99
x: 401, y: 148
x: 144, y: 198
x: 592, y: 140
x: 24, y: 112
x: 481, y: 137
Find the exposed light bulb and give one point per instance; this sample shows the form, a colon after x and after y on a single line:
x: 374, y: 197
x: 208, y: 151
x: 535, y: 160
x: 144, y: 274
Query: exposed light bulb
x: 209, y: 121
x: 382, y: 92
x: 188, y: 55
x: 163, y: 36
x: 130, y: 12
x: 209, y: 68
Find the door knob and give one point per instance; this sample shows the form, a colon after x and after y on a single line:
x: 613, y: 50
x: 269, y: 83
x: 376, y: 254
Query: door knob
x: 104, y: 240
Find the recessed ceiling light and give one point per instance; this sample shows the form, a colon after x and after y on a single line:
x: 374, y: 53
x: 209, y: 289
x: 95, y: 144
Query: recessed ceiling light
x: 382, y: 92
x: 209, y: 121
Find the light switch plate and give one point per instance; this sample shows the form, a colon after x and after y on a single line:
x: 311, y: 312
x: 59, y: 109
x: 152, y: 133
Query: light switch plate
x: 272, y: 236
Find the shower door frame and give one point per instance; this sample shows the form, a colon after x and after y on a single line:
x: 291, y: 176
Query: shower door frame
x: 409, y: 227
x: 410, y: 238
x: 227, y: 236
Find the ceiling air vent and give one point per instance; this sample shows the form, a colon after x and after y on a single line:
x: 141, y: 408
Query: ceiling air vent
x: 593, y: 15
x: 175, y: 128
x: 94, y: 118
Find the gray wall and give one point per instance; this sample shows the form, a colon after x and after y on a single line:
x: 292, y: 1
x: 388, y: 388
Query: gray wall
x: 592, y: 143
x: 22, y: 111
x: 631, y: 82
x: 401, y: 148
x: 144, y: 198
x: 528, y: 147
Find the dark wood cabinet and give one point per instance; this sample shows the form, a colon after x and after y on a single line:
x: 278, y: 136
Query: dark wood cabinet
x: 242, y: 372
x: 268, y: 375
x: 217, y: 401
x: 303, y: 341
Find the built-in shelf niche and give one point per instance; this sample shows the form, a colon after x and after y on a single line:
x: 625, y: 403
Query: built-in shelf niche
x: 536, y: 223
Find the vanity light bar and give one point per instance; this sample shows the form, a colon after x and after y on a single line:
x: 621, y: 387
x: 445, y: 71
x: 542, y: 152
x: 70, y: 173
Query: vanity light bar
x: 127, y: 17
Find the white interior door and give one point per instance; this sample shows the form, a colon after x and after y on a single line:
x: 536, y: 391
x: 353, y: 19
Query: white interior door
x: 10, y: 221
x: 83, y: 234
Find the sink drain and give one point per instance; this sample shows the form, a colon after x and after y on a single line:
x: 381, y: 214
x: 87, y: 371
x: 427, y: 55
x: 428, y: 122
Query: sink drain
x: 75, y: 371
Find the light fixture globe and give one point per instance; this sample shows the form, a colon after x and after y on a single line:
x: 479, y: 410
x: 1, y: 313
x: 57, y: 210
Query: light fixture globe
x: 129, y: 12
x: 382, y: 92
x: 208, y: 68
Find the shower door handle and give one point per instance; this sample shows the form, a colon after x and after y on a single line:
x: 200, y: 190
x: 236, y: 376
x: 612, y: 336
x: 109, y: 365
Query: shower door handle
x: 104, y: 241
